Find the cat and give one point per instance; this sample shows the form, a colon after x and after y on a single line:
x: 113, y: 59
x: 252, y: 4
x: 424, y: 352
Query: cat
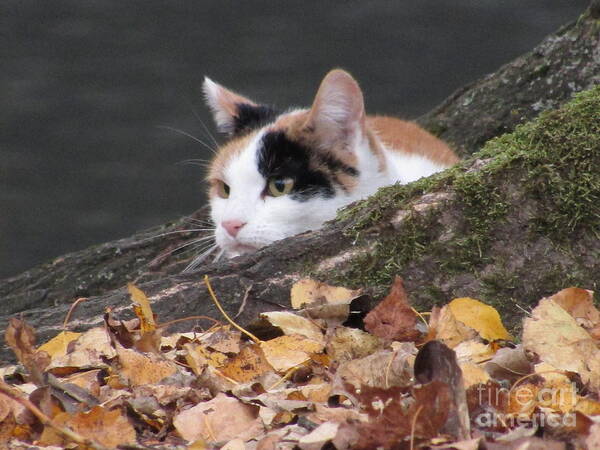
x: 284, y: 173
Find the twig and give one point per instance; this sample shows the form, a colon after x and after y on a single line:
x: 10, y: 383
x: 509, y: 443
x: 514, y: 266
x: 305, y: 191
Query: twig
x: 71, y: 309
x: 183, y: 319
x: 220, y: 308
x: 413, y: 425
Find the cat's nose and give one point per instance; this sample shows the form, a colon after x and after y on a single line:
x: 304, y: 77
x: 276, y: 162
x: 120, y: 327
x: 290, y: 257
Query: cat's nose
x: 233, y: 227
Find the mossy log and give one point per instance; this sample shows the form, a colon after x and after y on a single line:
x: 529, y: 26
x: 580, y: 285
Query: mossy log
x: 514, y: 222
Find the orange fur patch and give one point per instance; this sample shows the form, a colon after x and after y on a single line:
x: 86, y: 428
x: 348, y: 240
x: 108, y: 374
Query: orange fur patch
x: 408, y: 137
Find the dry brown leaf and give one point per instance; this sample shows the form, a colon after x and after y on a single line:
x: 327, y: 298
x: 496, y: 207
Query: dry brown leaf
x: 344, y: 344
x: 393, y: 319
x: 554, y: 335
x: 220, y: 419
x: 291, y: 323
x: 580, y: 304
x: 309, y: 291
x: 319, y: 437
x: 285, y: 352
x: 383, y: 369
x: 473, y: 351
x: 444, y: 327
x: 481, y: 317
x: 247, y: 365
x: 223, y: 339
x: 142, y: 308
x: 21, y: 339
x: 198, y: 357
x: 473, y: 374
x: 509, y: 364
x: 90, y: 350
x: 108, y: 428
x: 435, y: 362
x: 57, y: 346
x: 140, y: 369
x: 234, y: 444
x: 588, y: 406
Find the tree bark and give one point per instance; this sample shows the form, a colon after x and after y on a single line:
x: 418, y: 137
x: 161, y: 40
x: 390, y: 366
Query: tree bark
x: 514, y: 223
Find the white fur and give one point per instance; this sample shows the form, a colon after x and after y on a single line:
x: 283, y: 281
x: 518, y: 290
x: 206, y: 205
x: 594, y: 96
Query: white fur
x: 269, y: 219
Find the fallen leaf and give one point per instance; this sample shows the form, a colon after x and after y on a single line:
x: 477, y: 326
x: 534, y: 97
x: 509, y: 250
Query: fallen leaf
x: 140, y: 369
x: 473, y: 351
x: 91, y: 350
x: 480, y: 317
x: 509, y: 364
x: 285, y: 352
x: 309, y: 291
x: 444, y: 327
x: 220, y: 419
x: 393, y: 318
x: 473, y: 374
x: 436, y: 362
x: 107, y: 427
x: 344, y: 344
x: 223, y: 340
x: 384, y: 369
x: 247, y: 365
x: 21, y: 339
x: 580, y: 304
x: 57, y: 346
x: 319, y: 437
x: 142, y: 308
x: 554, y: 335
x: 291, y: 323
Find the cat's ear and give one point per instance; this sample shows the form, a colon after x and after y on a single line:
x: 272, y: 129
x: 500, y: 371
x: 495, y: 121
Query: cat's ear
x: 338, y: 111
x: 233, y: 113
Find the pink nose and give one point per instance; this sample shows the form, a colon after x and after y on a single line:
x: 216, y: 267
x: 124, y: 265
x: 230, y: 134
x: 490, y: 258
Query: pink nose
x: 233, y: 227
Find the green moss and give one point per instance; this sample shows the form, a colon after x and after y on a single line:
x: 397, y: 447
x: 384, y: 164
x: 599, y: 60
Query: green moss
x: 553, y: 160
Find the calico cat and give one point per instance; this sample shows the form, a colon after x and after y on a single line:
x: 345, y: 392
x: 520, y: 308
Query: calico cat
x: 283, y: 173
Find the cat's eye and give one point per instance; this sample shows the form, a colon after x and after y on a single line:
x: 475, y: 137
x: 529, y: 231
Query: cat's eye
x: 280, y: 186
x: 222, y: 189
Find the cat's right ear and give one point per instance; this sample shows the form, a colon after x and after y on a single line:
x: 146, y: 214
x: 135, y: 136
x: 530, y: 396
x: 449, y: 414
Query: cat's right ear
x: 233, y: 113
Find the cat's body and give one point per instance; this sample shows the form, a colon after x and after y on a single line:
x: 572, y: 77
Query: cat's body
x: 283, y: 174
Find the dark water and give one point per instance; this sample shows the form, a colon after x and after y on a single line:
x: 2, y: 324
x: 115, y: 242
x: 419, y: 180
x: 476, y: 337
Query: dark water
x: 84, y: 85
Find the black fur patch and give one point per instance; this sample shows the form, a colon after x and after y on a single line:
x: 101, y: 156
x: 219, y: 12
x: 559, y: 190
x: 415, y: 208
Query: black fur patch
x: 250, y: 117
x: 281, y: 157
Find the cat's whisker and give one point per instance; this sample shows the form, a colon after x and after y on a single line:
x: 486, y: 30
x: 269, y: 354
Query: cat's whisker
x: 200, y: 258
x: 184, y: 133
x: 201, y: 222
x: 208, y: 133
x: 176, y: 232
x: 201, y: 240
x: 195, y: 162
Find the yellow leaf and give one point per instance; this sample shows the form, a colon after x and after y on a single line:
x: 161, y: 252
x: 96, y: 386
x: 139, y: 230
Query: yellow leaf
x: 285, y: 352
x: 109, y: 428
x: 308, y: 291
x: 291, y: 323
x: 556, y: 337
x: 142, y: 309
x: 473, y: 374
x: 481, y: 317
x: 247, y: 365
x: 57, y: 346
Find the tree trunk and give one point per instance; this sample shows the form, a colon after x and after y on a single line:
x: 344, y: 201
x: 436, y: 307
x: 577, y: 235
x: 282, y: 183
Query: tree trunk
x: 516, y: 222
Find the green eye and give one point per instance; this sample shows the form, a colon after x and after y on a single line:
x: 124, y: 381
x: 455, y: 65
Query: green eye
x: 222, y: 189
x: 280, y: 186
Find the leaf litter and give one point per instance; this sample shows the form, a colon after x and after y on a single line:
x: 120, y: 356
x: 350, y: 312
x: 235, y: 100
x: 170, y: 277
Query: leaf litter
x: 458, y: 380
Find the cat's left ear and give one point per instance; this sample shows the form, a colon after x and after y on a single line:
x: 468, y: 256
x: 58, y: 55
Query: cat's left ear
x: 233, y: 113
x: 338, y: 112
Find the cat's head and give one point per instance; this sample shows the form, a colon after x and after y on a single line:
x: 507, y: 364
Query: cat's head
x: 280, y: 174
